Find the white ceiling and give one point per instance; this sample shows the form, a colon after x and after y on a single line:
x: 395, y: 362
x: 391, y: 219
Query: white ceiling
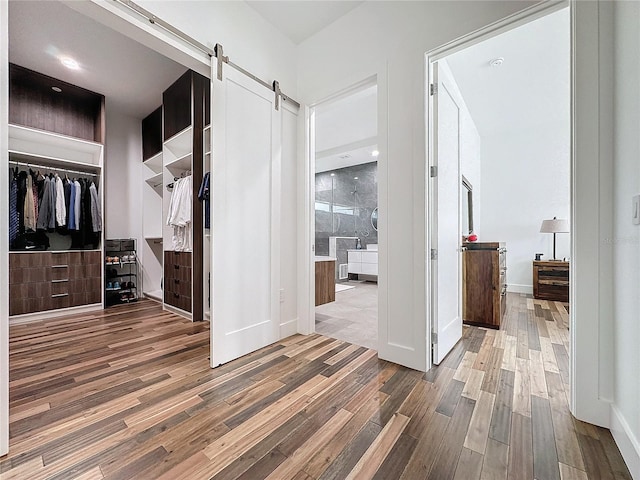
x: 346, y: 130
x: 530, y: 89
x: 131, y: 76
x: 299, y: 20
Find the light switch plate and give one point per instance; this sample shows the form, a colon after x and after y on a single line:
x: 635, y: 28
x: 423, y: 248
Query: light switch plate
x: 636, y: 210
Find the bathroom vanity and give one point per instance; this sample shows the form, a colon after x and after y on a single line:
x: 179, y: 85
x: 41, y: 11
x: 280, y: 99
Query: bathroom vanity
x: 325, y: 280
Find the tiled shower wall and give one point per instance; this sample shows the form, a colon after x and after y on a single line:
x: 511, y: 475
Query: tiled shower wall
x: 344, y: 206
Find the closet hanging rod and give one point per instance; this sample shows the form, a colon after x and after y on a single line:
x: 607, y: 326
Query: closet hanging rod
x: 53, y: 169
x: 274, y: 86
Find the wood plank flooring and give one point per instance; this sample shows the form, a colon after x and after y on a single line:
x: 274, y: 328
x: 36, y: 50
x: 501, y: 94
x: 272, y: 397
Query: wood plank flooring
x: 128, y: 394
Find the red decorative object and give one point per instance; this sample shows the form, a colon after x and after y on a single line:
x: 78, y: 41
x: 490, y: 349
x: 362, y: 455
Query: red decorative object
x: 473, y: 237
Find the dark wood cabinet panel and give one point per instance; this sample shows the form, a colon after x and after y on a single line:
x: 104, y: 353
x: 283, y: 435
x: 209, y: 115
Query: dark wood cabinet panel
x: 74, y: 111
x: 484, y: 286
x: 551, y: 280
x: 176, y: 101
x: 152, y: 134
x: 178, y: 280
x: 40, y: 281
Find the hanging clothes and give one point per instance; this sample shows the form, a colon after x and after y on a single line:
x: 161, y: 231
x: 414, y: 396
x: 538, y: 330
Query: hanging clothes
x: 77, y: 205
x: 203, y: 195
x: 35, y: 193
x: 96, y: 210
x: 179, y: 216
x: 71, y: 224
x: 14, y: 218
x: 61, y: 209
x: 22, y: 191
x: 47, y: 207
x: 29, y: 208
x: 67, y: 199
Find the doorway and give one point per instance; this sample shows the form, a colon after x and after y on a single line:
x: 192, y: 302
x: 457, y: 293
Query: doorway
x: 502, y: 149
x: 345, y: 188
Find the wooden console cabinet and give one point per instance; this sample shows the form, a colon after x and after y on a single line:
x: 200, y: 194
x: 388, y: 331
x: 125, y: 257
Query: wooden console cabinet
x: 551, y: 280
x: 484, y: 287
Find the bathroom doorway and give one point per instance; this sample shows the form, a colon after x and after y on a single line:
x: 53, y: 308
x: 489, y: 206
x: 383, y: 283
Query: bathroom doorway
x: 345, y: 182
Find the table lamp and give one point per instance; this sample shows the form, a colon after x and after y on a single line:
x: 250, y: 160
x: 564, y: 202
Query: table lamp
x: 554, y: 226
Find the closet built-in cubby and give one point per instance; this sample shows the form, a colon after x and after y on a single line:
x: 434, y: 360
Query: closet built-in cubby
x: 56, y: 131
x: 175, y: 144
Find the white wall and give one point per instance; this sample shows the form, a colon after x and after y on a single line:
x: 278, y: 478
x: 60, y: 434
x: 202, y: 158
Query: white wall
x: 470, y: 153
x: 526, y: 179
x: 247, y: 38
x: 626, y: 239
x: 123, y: 176
x: 389, y: 39
x: 289, y: 224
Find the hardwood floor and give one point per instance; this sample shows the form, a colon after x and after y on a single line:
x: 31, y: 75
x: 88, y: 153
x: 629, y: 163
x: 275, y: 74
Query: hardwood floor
x: 128, y: 393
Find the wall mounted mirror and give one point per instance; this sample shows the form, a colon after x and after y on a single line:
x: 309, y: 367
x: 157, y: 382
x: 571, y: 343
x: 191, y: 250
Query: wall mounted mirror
x: 467, y: 206
x: 374, y: 219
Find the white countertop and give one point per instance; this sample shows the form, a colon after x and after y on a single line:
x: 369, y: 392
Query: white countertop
x: 325, y: 259
x: 362, y: 250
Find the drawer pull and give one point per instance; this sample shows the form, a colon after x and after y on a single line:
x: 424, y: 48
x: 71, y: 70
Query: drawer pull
x: 60, y: 281
x: 60, y: 295
x: 176, y: 267
x: 176, y: 295
x: 59, y: 266
x: 176, y: 280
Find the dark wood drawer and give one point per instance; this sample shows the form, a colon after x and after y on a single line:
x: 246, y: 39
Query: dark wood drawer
x: 182, y: 302
x: 551, y: 280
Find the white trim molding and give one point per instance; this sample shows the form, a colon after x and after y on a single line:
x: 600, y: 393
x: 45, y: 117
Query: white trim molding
x: 626, y: 441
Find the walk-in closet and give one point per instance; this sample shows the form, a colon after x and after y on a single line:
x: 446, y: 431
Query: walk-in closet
x: 108, y: 139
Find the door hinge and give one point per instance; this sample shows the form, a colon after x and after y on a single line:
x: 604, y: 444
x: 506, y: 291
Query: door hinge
x: 434, y: 254
x: 433, y: 89
x: 433, y: 171
x: 434, y: 337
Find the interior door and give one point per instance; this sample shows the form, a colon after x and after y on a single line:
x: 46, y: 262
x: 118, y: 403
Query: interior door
x: 245, y: 222
x: 446, y: 239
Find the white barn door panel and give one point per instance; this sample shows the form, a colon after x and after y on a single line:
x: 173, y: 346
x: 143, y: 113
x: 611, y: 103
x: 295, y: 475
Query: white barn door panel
x: 245, y: 198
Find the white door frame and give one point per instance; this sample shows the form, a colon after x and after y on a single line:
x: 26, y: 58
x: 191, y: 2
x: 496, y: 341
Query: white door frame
x: 4, y: 220
x: 589, y: 398
x: 307, y: 273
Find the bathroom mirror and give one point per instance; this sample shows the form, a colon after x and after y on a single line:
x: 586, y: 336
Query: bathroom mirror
x: 374, y: 219
x: 467, y: 206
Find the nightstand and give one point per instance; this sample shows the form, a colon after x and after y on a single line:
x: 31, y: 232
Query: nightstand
x: 551, y: 280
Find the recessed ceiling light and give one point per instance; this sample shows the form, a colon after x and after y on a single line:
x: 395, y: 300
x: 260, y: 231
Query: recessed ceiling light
x: 496, y: 62
x: 333, y: 174
x: 375, y: 153
x: 56, y: 89
x: 70, y: 63
x: 355, y: 178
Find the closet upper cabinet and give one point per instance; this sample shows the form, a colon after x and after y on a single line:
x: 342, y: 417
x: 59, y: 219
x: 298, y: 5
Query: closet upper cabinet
x: 152, y: 134
x: 178, y: 103
x: 46, y: 103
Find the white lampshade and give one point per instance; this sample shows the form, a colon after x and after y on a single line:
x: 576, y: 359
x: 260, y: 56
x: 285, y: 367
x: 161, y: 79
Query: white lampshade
x: 554, y: 226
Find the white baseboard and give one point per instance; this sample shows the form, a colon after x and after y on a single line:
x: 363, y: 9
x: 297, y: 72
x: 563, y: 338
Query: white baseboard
x: 518, y: 288
x: 627, y: 442
x: 61, y: 312
x: 288, y: 328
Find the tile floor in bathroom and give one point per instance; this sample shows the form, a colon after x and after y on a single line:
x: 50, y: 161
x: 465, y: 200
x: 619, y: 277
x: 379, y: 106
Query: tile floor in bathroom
x: 353, y: 317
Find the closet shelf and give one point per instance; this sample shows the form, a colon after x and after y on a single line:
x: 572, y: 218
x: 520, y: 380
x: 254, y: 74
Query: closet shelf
x: 181, y: 143
x: 59, y: 150
x: 179, y: 165
x: 155, y: 181
x: 154, y: 163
